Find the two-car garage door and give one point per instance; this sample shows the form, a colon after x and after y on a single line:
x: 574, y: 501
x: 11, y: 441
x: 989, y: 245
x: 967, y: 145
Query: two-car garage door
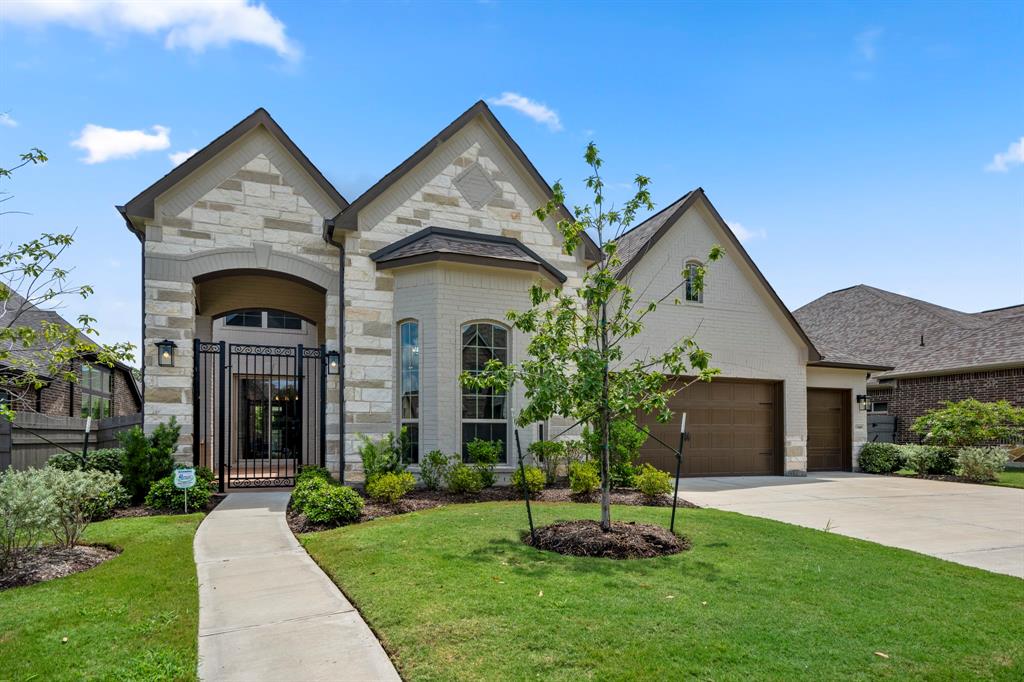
x: 733, y: 427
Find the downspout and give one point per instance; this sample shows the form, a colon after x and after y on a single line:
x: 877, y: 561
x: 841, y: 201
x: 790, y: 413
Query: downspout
x: 329, y: 223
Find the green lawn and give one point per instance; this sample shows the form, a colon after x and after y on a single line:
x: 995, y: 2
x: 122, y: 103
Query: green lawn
x: 134, y: 617
x: 454, y: 595
x: 1011, y: 478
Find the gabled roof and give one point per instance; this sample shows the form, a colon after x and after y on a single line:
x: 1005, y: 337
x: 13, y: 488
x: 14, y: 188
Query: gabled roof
x: 914, y: 337
x: 143, y: 205
x: 347, y: 219
x: 640, y: 240
x: 443, y: 244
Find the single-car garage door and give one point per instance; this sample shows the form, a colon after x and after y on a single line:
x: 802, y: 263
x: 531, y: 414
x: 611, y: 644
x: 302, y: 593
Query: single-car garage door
x: 732, y: 427
x: 828, y: 429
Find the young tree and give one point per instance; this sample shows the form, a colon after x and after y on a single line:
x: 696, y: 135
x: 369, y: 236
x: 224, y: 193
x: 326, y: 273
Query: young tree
x: 577, y: 366
x: 35, y: 345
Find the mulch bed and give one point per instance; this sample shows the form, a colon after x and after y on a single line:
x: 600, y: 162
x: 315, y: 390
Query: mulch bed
x: 949, y: 478
x: 419, y: 500
x: 624, y: 541
x: 141, y: 510
x: 46, y: 563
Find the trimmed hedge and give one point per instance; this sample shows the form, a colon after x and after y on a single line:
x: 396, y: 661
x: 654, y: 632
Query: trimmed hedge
x: 880, y: 458
x: 535, y: 480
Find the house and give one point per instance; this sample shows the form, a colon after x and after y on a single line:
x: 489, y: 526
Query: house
x: 99, y: 391
x: 937, y: 354
x: 283, y: 323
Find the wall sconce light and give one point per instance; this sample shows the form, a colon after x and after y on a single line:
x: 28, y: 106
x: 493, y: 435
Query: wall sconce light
x: 862, y: 402
x: 333, y: 362
x: 165, y: 353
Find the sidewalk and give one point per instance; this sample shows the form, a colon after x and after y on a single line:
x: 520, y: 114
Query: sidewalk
x: 266, y: 610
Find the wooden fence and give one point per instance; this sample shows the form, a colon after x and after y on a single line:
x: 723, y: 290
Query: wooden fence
x: 33, y: 438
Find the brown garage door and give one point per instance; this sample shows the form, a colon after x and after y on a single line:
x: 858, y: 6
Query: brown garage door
x: 828, y: 429
x: 731, y: 426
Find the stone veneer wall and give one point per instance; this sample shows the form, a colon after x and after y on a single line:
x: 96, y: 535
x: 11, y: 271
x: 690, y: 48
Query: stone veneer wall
x: 251, y: 208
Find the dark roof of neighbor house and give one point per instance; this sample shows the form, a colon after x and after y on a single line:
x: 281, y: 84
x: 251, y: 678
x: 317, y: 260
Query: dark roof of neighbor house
x: 640, y: 240
x: 143, y: 204
x: 438, y: 243
x: 913, y: 336
x: 34, y: 317
x: 347, y: 218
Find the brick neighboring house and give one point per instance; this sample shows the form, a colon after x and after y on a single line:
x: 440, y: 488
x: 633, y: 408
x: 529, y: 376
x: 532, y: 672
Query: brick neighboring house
x: 100, y: 391
x: 938, y: 354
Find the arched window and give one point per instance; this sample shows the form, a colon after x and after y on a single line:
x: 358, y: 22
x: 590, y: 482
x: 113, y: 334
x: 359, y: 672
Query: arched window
x: 690, y: 276
x: 409, y: 388
x: 484, y: 411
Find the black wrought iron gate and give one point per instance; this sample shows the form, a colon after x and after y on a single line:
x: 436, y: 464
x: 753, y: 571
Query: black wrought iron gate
x: 259, y: 412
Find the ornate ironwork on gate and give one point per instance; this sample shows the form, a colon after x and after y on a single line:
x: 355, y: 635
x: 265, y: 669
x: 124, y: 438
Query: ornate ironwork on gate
x: 259, y: 412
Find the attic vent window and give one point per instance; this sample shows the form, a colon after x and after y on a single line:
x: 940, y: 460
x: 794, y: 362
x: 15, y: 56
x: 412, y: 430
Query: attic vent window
x: 476, y: 186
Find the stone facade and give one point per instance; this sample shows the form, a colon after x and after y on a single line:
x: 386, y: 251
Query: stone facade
x: 911, y: 397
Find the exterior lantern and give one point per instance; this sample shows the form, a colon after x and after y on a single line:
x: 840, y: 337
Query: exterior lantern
x: 165, y: 353
x: 333, y: 362
x: 862, y: 402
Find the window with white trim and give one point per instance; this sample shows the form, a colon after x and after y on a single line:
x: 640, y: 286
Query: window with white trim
x: 484, y: 411
x: 689, y: 277
x: 409, y: 388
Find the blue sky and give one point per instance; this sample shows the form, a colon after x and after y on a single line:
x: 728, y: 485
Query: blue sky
x: 876, y: 143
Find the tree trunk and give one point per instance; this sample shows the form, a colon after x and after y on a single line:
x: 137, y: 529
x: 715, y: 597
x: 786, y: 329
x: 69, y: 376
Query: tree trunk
x: 606, y: 479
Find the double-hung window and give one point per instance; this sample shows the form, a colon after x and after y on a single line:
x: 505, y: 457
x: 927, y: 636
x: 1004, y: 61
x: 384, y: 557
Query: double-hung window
x: 409, y: 388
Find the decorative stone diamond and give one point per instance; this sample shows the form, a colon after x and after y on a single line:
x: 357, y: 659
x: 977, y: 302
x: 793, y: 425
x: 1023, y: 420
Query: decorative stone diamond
x: 476, y: 186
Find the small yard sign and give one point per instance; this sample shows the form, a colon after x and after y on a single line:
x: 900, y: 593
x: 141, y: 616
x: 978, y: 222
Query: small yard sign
x: 184, y: 478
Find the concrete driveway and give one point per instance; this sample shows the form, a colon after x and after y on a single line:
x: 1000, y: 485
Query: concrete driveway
x: 975, y: 525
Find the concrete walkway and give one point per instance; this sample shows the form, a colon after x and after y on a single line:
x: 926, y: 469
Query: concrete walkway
x: 975, y: 525
x: 266, y: 610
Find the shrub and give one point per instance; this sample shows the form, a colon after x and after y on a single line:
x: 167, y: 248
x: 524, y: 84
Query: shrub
x: 329, y: 503
x: 918, y: 458
x: 653, y: 483
x: 945, y: 460
x: 381, y: 456
x: 880, y: 458
x: 390, y: 487
x: 26, y: 507
x: 535, y: 480
x: 434, y: 469
x: 464, y: 480
x: 981, y: 464
x: 550, y: 454
x: 624, y: 442
x: 584, y: 478
x: 484, y: 455
x: 164, y: 495
x: 311, y: 472
x: 303, y: 490
x: 147, y: 459
x: 110, y: 460
x: 970, y: 422
x: 65, y: 461
x: 104, y: 505
x: 75, y: 495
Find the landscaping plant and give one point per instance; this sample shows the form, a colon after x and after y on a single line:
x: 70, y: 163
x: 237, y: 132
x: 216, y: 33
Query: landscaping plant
x: 26, y: 507
x: 549, y: 454
x: 331, y: 503
x: 980, y: 464
x: 625, y: 441
x: 163, y: 494
x: 147, y: 458
x: 74, y: 496
x: 653, y: 483
x: 110, y: 460
x: 381, y: 456
x: 484, y: 455
x: 929, y: 459
x: 534, y: 480
x: 584, y: 477
x: 312, y: 472
x: 390, y: 487
x: 970, y: 422
x: 576, y: 366
x: 880, y: 458
x: 464, y: 480
x: 434, y: 469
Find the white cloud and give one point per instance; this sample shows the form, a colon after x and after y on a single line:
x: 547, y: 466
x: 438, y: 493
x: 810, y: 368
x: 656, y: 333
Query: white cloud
x: 1013, y: 156
x: 540, y: 113
x: 104, y: 144
x: 867, y: 43
x: 177, y: 158
x: 6, y: 120
x: 745, y: 234
x: 191, y: 24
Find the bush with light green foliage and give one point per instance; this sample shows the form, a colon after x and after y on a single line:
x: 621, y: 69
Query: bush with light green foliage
x: 75, y: 497
x: 381, y: 456
x: 390, y: 487
x: 929, y: 459
x: 434, y: 469
x: 535, y: 480
x: 464, y: 480
x: 549, y: 454
x: 310, y: 472
x: 484, y: 456
x: 163, y: 494
x: 970, y: 422
x: 624, y: 442
x: 584, y: 478
x: 26, y: 509
x: 981, y: 464
x: 653, y: 483
x: 329, y: 503
x: 880, y: 458
x: 110, y: 460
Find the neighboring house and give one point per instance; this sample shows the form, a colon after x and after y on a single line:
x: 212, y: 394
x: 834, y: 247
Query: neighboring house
x: 301, y: 322
x: 937, y: 354
x: 99, y: 391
